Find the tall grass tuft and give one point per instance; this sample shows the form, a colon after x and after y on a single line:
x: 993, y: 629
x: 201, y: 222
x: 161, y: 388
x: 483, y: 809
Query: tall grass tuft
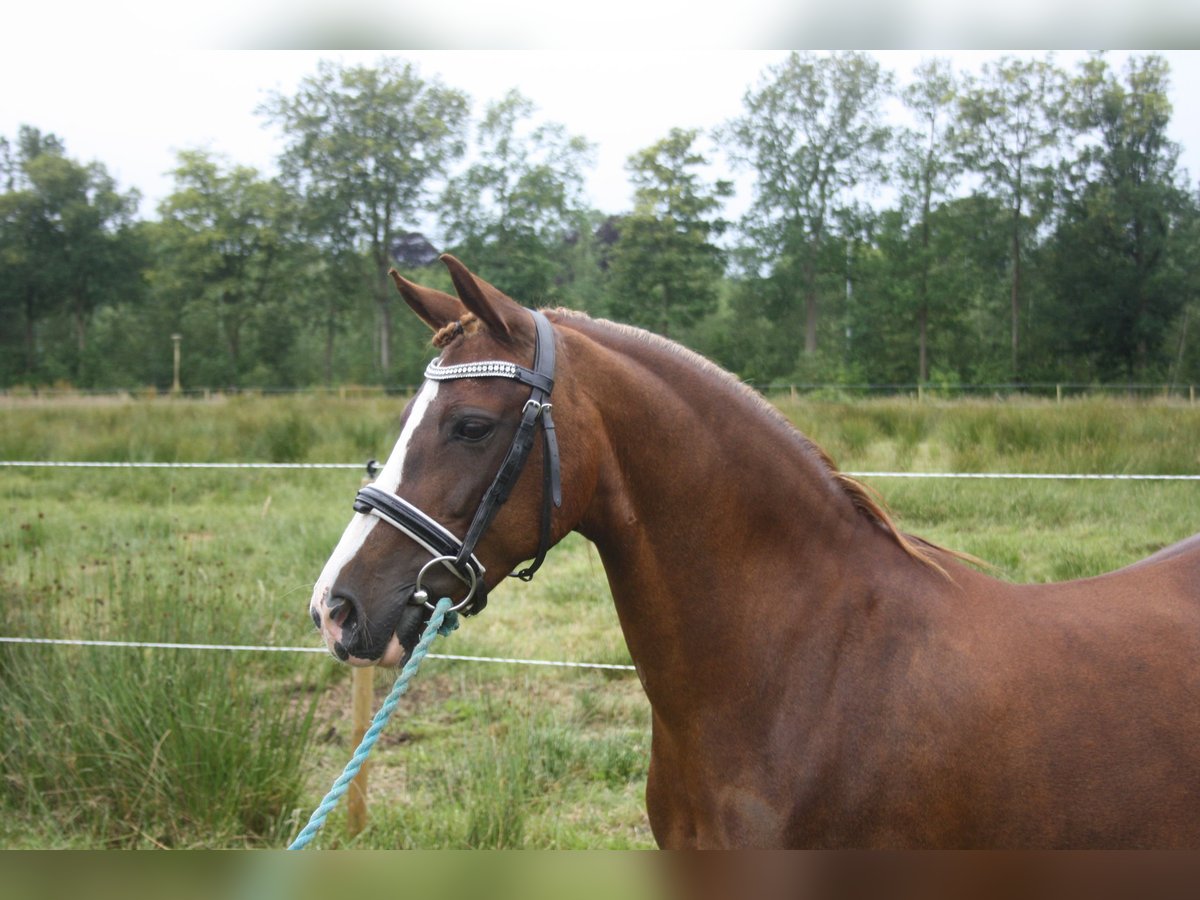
x: 251, y: 429
x: 506, y: 782
x: 1086, y: 435
x: 146, y: 747
x: 288, y: 439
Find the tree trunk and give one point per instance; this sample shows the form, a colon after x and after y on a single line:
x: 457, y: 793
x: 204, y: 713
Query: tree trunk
x: 80, y: 310
x: 923, y: 303
x: 385, y: 342
x: 811, y: 310
x: 80, y: 331
x: 923, y: 359
x: 383, y: 298
x: 1016, y: 291
x: 232, y: 326
x: 810, y: 307
x: 30, y: 335
x: 1182, y: 343
x: 80, y: 338
x: 666, y: 311
x: 329, y: 328
x: 234, y: 336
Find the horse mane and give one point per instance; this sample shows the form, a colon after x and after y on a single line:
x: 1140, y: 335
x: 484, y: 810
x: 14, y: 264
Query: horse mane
x: 869, y: 504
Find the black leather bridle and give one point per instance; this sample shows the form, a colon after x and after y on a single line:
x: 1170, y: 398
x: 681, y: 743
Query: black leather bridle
x: 459, y: 555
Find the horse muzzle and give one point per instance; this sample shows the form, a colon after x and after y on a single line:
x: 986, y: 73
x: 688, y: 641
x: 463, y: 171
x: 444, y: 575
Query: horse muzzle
x: 352, y: 634
x: 387, y: 640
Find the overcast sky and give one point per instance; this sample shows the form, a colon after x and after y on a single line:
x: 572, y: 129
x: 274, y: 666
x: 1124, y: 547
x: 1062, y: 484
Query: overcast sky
x: 114, y: 98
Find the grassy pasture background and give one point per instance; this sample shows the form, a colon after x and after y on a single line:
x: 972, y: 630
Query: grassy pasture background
x: 141, y: 748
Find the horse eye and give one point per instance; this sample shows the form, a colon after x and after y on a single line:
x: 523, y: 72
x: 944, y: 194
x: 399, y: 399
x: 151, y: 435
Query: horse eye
x: 472, y: 430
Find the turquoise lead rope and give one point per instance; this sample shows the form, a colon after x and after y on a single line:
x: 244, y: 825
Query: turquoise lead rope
x: 441, y: 622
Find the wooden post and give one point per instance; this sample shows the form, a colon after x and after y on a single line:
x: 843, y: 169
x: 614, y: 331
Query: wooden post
x: 175, y: 386
x: 363, y: 680
x: 362, y: 694
x: 1058, y: 392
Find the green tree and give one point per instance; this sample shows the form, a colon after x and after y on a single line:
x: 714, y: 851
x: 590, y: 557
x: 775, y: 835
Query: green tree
x: 1118, y: 268
x: 223, y: 246
x: 585, y: 261
x: 813, y: 133
x: 928, y: 171
x: 67, y: 245
x: 665, y: 267
x: 1010, y: 129
x: 972, y: 265
x: 333, y: 281
x: 365, y: 147
x: 25, y: 289
x: 512, y: 212
x: 1182, y: 338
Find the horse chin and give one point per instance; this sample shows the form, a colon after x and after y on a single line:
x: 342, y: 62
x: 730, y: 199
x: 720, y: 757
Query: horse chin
x: 392, y: 644
x: 411, y: 624
x: 392, y: 656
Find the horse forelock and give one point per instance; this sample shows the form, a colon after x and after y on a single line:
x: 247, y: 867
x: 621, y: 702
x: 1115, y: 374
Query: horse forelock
x: 861, y: 496
x: 468, y: 324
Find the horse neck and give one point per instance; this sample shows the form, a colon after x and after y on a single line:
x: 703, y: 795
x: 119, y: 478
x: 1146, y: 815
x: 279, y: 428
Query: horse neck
x: 716, y: 521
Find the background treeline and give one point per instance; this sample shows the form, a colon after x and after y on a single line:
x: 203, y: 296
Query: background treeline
x: 1030, y: 224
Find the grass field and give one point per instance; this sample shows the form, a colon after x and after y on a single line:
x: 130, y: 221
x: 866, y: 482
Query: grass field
x: 139, y: 748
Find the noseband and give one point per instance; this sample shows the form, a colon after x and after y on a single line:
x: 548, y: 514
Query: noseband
x: 459, y: 555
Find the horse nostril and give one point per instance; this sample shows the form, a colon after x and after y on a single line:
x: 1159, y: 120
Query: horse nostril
x: 342, y: 612
x: 316, y: 617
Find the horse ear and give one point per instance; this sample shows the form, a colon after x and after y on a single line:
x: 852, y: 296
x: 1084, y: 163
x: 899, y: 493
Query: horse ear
x: 434, y: 308
x: 500, y: 313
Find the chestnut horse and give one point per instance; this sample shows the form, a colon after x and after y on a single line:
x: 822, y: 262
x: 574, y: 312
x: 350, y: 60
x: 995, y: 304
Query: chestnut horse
x: 816, y: 677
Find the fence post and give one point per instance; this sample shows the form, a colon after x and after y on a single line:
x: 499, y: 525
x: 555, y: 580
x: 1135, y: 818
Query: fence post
x: 1058, y: 393
x: 363, y: 680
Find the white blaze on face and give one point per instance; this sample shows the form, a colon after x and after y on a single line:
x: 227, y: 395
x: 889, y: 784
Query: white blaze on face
x: 362, y: 524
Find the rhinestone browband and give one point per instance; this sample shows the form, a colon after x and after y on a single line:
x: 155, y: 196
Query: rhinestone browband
x: 491, y: 369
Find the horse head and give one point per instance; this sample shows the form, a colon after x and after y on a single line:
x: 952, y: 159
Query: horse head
x: 455, y: 508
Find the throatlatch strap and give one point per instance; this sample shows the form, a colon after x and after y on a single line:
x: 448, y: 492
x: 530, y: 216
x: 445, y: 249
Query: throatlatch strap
x: 544, y: 361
